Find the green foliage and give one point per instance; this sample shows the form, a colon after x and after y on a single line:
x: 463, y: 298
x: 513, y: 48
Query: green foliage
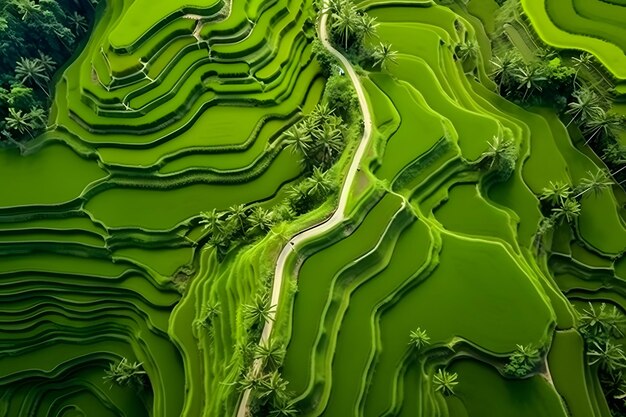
x: 445, y: 382
x: 35, y: 37
x: 523, y: 361
x: 501, y: 156
x: 601, y: 324
x: 340, y: 97
x: 271, y: 354
x: 608, y: 356
x: 125, y: 373
x: 326, y: 60
x: 419, y: 339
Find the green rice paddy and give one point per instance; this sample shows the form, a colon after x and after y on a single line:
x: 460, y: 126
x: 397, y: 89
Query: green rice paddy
x: 176, y: 108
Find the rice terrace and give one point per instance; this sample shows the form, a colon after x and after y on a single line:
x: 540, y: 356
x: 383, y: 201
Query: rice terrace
x: 278, y: 208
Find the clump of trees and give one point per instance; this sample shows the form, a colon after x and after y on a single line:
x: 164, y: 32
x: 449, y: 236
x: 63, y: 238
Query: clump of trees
x: 523, y: 361
x: 561, y: 202
x: 36, y: 37
x: 542, y: 82
x: 351, y: 29
x: 126, y: 373
x: 600, y: 328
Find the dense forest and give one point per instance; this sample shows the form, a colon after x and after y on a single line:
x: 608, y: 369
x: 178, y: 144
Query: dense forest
x: 36, y: 38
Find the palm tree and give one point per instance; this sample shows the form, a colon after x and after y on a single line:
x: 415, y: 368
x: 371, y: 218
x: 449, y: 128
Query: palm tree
x: 320, y: 114
x: 19, y: 122
x: 466, y: 50
x: 529, y: 78
x: 346, y: 21
x: 367, y: 26
x: 583, y: 60
x: 445, y: 381
x: 556, y: 193
x: 569, y: 210
x: 504, y: 68
x: 607, y: 355
x: 270, y: 353
x: 383, y: 55
x: 250, y: 381
x: 261, y: 219
x: 599, y: 325
x: 212, y: 221
x: 298, y: 140
x: 596, y: 182
x: 602, y: 123
x: 329, y: 143
x: 38, y: 117
x: 237, y: 214
x: 320, y: 182
x: 31, y: 70
x: 586, y: 106
x: 125, y: 373
x: 499, y: 148
x: 283, y: 408
x: 419, y: 339
x: 273, y: 386
x: 47, y: 62
x: 26, y: 8
x: 259, y: 310
x: 78, y: 22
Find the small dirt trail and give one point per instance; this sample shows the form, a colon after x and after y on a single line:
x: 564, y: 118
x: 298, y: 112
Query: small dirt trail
x: 339, y: 214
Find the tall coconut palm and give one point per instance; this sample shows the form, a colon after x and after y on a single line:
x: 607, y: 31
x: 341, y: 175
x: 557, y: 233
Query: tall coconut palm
x: 329, y: 143
x: 367, y: 26
x: 608, y: 355
x: 568, y: 210
x: 499, y: 147
x: 48, y: 63
x: 19, y: 121
x: 556, y: 193
x: 237, y: 214
x: 283, y: 408
x: 261, y: 219
x: 212, y: 220
x: 251, y: 381
x: 38, y: 117
x: 523, y: 361
x: 445, y: 381
x: 599, y: 324
x: 505, y: 67
x: 125, y: 373
x: 320, y: 114
x: 384, y: 55
x: 584, y: 60
x: 602, y: 123
x: 595, y: 182
x: 466, y: 51
x: 320, y: 182
x: 419, y: 339
x: 529, y: 78
x: 31, y: 71
x: 78, y: 22
x: 346, y: 21
x: 298, y: 140
x: 273, y: 386
x: 586, y: 106
x: 259, y: 310
x: 271, y: 354
x: 26, y: 8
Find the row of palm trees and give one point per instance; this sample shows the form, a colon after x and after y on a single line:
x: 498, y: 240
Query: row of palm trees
x: 601, y: 328
x: 351, y: 28
x: 562, y: 203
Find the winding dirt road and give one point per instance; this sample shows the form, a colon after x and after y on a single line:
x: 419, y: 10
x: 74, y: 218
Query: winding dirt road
x: 339, y: 214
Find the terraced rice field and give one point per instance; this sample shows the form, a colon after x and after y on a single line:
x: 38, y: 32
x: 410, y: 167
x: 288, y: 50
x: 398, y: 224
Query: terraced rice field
x: 177, y: 108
